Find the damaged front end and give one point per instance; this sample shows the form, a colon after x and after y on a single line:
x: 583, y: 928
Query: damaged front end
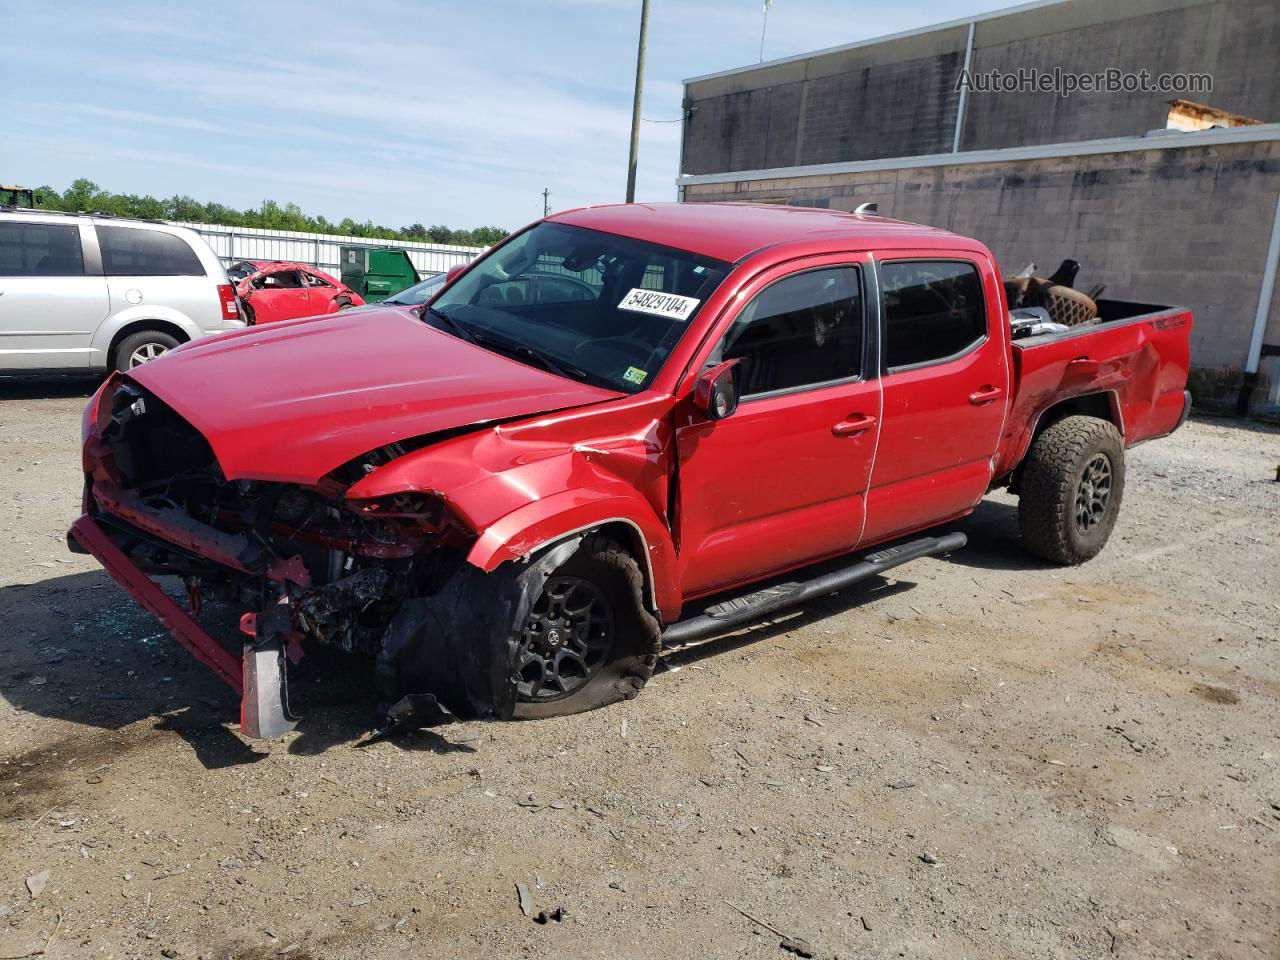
x: 305, y: 564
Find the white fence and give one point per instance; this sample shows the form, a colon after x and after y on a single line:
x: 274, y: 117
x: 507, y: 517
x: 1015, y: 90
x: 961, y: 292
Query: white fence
x: 319, y: 249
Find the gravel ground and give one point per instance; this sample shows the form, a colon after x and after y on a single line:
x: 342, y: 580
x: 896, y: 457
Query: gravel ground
x: 982, y: 757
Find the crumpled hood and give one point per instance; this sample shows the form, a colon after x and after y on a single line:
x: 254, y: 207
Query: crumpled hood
x: 293, y: 401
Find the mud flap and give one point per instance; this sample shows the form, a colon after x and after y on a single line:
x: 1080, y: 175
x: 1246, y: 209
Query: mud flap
x: 264, y: 705
x: 458, y: 645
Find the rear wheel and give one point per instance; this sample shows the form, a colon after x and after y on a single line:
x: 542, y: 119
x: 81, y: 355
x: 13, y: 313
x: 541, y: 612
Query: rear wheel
x: 588, y: 640
x: 1070, y: 491
x: 142, y: 347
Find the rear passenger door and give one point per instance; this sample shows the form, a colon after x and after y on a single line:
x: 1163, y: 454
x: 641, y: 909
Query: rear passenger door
x: 780, y: 482
x: 945, y: 375
x: 147, y: 267
x: 280, y: 295
x: 49, y: 303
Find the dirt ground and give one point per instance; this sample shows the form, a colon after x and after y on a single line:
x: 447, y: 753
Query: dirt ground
x: 982, y: 757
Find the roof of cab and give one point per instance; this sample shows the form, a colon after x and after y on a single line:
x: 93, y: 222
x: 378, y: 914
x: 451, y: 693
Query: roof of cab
x: 731, y: 231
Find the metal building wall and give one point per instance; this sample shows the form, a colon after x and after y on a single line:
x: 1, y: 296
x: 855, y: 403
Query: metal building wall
x: 319, y: 249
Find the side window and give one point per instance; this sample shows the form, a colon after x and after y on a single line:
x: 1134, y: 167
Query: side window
x: 135, y: 252
x: 804, y: 330
x: 280, y: 280
x: 313, y: 281
x: 933, y: 309
x: 40, y: 250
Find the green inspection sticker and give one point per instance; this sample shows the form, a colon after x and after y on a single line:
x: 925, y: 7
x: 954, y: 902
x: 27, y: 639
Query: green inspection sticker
x: 635, y: 375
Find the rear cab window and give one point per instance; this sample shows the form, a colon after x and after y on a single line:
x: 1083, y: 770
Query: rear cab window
x: 934, y: 311
x: 138, y: 252
x: 40, y: 249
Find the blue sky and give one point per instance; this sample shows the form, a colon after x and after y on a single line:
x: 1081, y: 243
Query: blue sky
x: 454, y: 113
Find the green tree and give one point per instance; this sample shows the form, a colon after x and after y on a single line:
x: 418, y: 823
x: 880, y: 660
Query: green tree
x: 84, y: 195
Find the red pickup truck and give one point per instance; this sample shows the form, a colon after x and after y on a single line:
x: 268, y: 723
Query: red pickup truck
x: 514, y: 505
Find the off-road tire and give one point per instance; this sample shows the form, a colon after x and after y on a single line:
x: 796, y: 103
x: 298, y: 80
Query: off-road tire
x: 634, y: 652
x: 1051, y: 480
x: 136, y: 341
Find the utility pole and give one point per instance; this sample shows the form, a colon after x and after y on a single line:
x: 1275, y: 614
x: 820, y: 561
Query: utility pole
x: 546, y: 201
x: 764, y: 25
x: 635, y: 107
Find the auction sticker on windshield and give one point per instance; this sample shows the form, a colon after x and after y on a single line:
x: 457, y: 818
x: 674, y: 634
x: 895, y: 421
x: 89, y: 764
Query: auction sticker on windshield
x: 669, y: 305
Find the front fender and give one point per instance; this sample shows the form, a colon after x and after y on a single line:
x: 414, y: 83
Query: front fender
x: 542, y: 522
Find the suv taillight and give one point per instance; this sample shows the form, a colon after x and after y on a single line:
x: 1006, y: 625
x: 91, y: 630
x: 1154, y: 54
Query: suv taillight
x: 227, y: 294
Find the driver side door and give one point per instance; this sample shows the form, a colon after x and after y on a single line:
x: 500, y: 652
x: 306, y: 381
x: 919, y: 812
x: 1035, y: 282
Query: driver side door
x: 782, y: 481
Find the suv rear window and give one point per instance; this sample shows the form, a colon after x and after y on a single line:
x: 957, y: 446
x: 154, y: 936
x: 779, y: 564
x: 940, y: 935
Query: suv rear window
x: 40, y: 250
x: 135, y: 252
x: 933, y: 310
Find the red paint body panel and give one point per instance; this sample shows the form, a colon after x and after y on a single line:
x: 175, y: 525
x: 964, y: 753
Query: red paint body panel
x: 288, y: 303
x: 935, y: 458
x: 296, y: 400
x: 1141, y: 363
x: 710, y: 504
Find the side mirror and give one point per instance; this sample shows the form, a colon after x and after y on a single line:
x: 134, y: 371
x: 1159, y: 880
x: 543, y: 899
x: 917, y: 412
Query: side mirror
x: 453, y: 272
x: 716, y: 392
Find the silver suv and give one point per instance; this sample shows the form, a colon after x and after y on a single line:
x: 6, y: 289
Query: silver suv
x: 81, y: 293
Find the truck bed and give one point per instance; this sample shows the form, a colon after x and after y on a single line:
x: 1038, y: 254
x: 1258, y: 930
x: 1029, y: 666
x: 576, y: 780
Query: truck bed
x: 1135, y: 359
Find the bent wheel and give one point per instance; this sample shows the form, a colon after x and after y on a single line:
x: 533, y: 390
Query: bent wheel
x: 588, y: 640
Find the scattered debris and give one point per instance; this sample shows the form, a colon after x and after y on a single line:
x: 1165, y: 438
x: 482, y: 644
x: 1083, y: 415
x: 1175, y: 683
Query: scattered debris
x: 526, y: 902
x: 622, y: 728
x: 865, y: 926
x: 901, y: 784
x: 929, y: 858
x: 42, y: 950
x: 36, y: 883
x: 797, y: 946
x: 544, y: 917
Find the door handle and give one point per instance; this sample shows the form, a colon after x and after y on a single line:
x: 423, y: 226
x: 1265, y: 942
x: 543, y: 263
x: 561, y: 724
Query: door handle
x: 985, y: 395
x: 1084, y: 366
x: 858, y: 423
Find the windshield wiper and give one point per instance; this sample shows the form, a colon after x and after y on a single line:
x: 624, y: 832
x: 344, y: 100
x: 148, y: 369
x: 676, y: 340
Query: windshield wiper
x: 461, y: 330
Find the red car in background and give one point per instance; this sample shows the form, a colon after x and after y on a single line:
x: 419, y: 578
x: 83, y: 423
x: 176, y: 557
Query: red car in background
x: 271, y: 290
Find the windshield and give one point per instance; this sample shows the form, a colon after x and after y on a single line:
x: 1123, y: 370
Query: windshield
x: 418, y: 293
x: 587, y: 305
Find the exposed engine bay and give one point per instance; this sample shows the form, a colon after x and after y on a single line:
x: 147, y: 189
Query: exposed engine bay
x: 319, y: 568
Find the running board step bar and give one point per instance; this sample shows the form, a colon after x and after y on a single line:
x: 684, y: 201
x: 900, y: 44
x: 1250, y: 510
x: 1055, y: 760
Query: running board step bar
x: 736, y: 611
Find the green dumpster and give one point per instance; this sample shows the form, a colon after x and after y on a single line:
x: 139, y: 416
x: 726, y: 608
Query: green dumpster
x: 377, y: 272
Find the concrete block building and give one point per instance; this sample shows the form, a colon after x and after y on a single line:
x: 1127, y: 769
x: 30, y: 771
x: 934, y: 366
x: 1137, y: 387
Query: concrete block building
x: 1165, y: 186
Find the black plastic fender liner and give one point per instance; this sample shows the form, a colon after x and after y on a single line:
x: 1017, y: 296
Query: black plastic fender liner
x: 458, y: 644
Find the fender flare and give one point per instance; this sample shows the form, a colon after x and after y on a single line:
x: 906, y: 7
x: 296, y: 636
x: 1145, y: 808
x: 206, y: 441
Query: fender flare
x: 143, y: 313
x: 543, y: 522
